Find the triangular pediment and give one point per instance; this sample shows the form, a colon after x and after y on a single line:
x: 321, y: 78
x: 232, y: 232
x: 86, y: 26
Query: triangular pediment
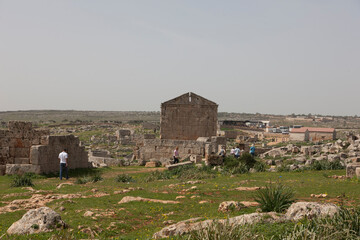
x: 190, y: 98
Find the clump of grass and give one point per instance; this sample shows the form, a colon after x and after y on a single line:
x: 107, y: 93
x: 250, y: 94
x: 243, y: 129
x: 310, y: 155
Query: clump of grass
x: 345, y: 224
x: 223, y: 230
x: 260, y: 166
x: 283, y: 168
x: 24, y: 180
x: 90, y: 178
x: 326, y: 165
x: 157, y: 175
x: 274, y: 197
x: 124, y: 178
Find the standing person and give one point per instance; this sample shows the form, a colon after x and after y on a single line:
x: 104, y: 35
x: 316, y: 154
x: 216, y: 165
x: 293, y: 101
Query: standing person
x: 63, y: 156
x: 252, y: 150
x: 176, y: 155
x: 222, y: 152
x: 237, y: 152
x: 232, y: 151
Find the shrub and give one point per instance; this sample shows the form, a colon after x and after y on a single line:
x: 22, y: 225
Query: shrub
x: 274, y: 197
x: 248, y: 159
x: 83, y: 180
x: 240, y: 169
x: 283, y: 168
x: 97, y: 177
x: 124, y: 178
x: 326, y: 165
x: 24, y: 180
x: 230, y: 162
x: 260, y: 166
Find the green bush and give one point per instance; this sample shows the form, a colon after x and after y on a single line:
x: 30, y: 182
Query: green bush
x: 231, y: 162
x: 124, y: 178
x: 96, y: 177
x: 283, y: 168
x: 274, y: 197
x: 83, y: 180
x: 24, y: 180
x: 157, y: 175
x: 326, y: 165
x: 240, y: 169
x: 248, y: 159
x: 260, y: 166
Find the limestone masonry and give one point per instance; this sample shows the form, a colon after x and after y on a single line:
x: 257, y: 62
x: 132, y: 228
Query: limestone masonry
x: 188, y: 117
x: 24, y: 149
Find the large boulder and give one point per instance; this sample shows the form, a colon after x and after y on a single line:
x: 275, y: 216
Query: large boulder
x: 300, y: 210
x: 42, y: 219
x: 193, y: 224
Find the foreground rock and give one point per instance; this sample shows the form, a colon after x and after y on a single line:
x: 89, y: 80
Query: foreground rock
x: 295, y: 212
x: 190, y: 225
x: 42, y: 219
x: 140, y: 199
x: 300, y: 210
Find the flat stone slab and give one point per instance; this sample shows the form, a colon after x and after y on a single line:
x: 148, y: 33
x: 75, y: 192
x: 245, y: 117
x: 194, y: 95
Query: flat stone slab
x: 173, y: 166
x: 22, y: 168
x: 140, y: 199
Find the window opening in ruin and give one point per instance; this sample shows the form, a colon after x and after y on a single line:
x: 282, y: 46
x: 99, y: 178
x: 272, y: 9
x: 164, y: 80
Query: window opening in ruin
x: 155, y: 148
x: 189, y: 97
x: 189, y: 151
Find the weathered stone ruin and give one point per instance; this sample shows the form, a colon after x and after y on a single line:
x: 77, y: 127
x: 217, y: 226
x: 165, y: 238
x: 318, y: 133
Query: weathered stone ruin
x: 188, y: 117
x: 24, y: 149
x: 102, y: 158
x: 188, y: 122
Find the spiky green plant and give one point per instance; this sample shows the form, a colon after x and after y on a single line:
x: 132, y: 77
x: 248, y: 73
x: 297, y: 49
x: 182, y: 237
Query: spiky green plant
x: 274, y: 197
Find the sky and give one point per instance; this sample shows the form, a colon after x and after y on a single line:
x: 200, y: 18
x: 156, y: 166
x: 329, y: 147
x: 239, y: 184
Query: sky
x: 277, y: 57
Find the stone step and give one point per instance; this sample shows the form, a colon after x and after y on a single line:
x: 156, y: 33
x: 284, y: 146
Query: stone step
x: 22, y: 161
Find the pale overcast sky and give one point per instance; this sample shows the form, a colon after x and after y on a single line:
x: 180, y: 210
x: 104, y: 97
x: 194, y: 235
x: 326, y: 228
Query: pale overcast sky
x: 278, y: 57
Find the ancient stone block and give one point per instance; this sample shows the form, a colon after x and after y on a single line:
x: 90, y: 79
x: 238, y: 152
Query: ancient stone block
x: 351, y: 168
x: 22, y: 161
x: 151, y: 164
x: 196, y: 158
x: 22, y: 152
x: 22, y: 168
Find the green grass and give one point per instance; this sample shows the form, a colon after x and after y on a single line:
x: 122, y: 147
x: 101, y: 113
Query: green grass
x: 142, y: 219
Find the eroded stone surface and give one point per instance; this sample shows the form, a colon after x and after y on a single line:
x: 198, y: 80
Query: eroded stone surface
x: 300, y: 210
x: 42, y: 219
x: 140, y: 199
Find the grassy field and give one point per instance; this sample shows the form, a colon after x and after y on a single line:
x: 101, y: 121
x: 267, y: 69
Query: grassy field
x: 140, y: 220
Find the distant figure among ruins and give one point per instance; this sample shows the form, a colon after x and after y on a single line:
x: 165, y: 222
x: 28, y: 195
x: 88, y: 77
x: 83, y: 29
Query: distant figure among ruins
x: 63, y: 157
x: 237, y: 152
x: 176, y: 155
x: 252, y: 150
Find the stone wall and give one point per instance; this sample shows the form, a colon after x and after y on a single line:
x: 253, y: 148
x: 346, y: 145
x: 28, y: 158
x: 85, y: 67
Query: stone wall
x: 23, y: 149
x: 188, y: 117
x: 321, y: 136
x: 162, y: 149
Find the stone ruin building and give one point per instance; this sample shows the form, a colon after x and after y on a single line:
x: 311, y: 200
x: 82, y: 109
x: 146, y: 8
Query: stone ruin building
x: 24, y: 149
x: 188, y: 122
x: 188, y: 117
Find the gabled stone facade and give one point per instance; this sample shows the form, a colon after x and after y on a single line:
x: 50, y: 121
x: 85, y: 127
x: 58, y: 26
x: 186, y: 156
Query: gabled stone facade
x: 188, y: 117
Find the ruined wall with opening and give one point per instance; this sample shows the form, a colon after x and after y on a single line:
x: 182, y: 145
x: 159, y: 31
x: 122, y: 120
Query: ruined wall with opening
x: 188, y: 117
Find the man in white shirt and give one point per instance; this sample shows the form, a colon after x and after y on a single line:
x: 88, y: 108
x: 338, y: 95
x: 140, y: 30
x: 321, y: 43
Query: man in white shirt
x: 237, y: 152
x: 63, y: 157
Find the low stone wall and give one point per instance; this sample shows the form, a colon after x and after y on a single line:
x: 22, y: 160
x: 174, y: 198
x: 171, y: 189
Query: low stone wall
x: 162, y: 149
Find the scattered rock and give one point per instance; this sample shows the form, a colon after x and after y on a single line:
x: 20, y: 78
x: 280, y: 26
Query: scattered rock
x: 42, y: 219
x: 323, y: 195
x: 249, y: 204
x: 230, y: 206
x: 88, y: 214
x: 300, y: 210
x: 202, y: 202
x: 63, y: 184
x: 180, y: 197
x: 140, y: 199
x: 247, y: 188
x: 61, y: 209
